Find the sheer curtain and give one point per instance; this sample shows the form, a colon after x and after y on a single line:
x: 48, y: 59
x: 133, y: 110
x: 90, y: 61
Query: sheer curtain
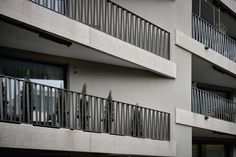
x: 48, y: 74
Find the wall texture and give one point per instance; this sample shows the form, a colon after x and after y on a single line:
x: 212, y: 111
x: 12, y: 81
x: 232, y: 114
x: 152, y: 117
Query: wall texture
x: 140, y: 86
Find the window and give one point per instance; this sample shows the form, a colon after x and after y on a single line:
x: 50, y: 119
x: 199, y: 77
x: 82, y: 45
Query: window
x: 48, y: 74
x: 210, y: 150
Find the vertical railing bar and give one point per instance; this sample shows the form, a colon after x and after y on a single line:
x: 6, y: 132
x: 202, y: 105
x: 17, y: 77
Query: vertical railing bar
x: 1, y: 98
x: 111, y: 19
x: 24, y: 100
x: 116, y: 121
x: 58, y: 104
x: 80, y: 111
x: 10, y: 98
x: 40, y: 104
x: 127, y: 120
x: 44, y: 106
x: 14, y: 100
x: 90, y: 116
x: 19, y: 101
x: 66, y: 108
x: 36, y: 100
x: 32, y: 100
x: 94, y: 113
x: 115, y: 21
x: 63, y: 109
x: 47, y: 105
x: 102, y: 115
x: 76, y: 111
x: 126, y: 26
x: 121, y: 24
x: 122, y: 119
x: 28, y: 102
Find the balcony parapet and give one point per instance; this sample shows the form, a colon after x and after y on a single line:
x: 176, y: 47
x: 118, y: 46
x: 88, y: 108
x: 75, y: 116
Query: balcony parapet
x: 26, y: 102
x: 211, y: 105
x: 213, y: 38
x: 110, y: 18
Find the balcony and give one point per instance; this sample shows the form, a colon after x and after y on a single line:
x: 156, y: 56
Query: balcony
x: 213, y: 38
x: 211, y: 105
x: 110, y: 18
x: 40, y: 105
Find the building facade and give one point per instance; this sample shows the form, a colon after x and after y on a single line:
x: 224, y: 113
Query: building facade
x: 118, y: 78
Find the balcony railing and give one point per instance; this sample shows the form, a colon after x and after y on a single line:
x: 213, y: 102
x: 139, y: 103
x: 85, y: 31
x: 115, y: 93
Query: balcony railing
x: 110, y: 18
x: 212, y: 105
x: 210, y: 36
x: 37, y: 104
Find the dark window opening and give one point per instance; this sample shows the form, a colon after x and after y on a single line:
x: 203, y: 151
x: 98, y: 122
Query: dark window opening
x: 217, y: 15
x: 48, y: 74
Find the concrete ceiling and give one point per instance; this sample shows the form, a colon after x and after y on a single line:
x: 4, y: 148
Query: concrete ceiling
x: 201, y: 133
x: 203, y: 72
x: 12, y: 36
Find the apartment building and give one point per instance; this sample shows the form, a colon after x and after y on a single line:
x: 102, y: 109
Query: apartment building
x: 118, y: 78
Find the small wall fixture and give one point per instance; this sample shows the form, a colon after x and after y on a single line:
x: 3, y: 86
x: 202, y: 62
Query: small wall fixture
x: 206, y: 117
x: 55, y: 39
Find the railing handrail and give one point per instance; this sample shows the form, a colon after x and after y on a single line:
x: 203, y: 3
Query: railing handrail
x: 9, y: 77
x: 209, y: 104
x: 141, y: 32
x: 212, y: 94
x: 123, y: 9
x: 23, y: 101
x: 137, y: 16
x: 213, y: 38
x: 214, y: 27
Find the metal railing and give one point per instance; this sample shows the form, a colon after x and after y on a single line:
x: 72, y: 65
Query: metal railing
x: 212, y: 105
x: 32, y: 103
x: 116, y: 21
x: 210, y: 36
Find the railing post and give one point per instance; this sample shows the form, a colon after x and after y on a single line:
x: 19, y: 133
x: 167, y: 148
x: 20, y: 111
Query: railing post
x: 1, y: 98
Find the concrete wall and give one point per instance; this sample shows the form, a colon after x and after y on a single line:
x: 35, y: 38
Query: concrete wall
x: 62, y: 26
x: 140, y: 86
x: 40, y: 138
x: 167, y: 14
x: 197, y: 48
x: 170, y: 15
x: 197, y: 120
x: 131, y: 86
x: 147, y: 89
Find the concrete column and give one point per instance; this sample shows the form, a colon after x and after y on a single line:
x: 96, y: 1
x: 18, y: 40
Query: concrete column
x: 234, y: 100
